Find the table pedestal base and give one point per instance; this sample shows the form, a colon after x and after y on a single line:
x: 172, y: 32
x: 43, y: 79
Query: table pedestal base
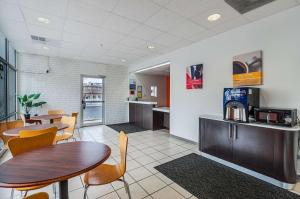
x: 63, y: 190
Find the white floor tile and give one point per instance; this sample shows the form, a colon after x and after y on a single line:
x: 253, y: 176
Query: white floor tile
x: 152, y: 184
x: 167, y: 193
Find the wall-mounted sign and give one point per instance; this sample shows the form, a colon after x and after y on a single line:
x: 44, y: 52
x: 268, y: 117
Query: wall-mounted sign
x: 247, y: 69
x: 139, y: 91
x: 194, y: 76
x: 132, y: 86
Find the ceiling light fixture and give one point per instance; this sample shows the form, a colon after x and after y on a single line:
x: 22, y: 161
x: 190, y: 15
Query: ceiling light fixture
x: 214, y: 17
x: 150, y: 47
x: 43, y: 20
x: 152, y: 67
x: 45, y: 48
x: 123, y: 60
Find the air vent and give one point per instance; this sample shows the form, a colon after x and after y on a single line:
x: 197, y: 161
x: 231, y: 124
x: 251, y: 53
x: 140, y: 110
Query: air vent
x: 37, y: 38
x: 244, y: 6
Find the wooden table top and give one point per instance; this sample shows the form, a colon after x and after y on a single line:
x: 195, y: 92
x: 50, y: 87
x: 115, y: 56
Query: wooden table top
x: 15, y: 132
x: 52, y: 164
x: 47, y: 117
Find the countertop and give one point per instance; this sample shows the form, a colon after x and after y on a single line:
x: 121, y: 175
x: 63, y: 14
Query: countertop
x: 162, y: 109
x: 142, y: 102
x: 220, y: 118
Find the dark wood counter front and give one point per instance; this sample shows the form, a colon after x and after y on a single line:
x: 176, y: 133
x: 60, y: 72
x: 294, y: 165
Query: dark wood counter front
x: 269, y: 151
x: 141, y: 115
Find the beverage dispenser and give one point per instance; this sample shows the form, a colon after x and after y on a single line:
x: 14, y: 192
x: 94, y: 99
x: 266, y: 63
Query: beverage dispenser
x: 239, y: 103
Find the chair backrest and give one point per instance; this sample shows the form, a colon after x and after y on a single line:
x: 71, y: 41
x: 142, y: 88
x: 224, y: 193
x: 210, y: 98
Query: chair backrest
x: 31, y: 133
x: 41, y: 195
x: 70, y: 121
x: 53, y: 112
x: 21, y: 145
x: 123, y: 142
x: 4, y: 126
x: 75, y: 114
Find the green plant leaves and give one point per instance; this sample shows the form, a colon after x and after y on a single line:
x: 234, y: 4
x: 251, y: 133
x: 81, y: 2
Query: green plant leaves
x: 38, y: 104
x: 27, y: 101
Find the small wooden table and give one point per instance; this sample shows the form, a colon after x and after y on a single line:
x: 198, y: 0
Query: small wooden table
x: 56, y: 163
x: 15, y: 132
x: 47, y: 117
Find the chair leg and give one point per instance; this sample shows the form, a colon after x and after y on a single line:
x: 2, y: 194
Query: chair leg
x: 126, y: 185
x: 12, y: 193
x: 85, y: 191
x: 26, y: 192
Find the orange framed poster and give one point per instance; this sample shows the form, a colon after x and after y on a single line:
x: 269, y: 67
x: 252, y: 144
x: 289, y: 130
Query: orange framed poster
x: 247, y: 69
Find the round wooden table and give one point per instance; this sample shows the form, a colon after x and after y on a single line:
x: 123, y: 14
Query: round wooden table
x: 47, y: 117
x: 56, y: 163
x: 15, y: 132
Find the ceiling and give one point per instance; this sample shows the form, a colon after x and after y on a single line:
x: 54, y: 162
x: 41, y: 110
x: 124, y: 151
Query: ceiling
x: 119, y: 31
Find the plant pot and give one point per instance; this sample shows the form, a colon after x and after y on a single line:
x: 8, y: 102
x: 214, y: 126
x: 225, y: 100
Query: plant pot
x: 27, y: 116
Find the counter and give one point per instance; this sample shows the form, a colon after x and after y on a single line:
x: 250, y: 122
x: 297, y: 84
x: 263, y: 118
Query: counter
x: 267, y: 151
x: 142, y: 102
x: 162, y: 109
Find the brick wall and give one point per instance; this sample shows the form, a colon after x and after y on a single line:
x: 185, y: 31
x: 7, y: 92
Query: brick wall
x: 61, y: 86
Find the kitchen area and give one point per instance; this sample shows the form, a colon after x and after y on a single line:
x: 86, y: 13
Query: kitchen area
x: 149, y: 97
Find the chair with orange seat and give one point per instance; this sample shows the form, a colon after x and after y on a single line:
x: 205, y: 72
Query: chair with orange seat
x: 18, y: 146
x: 106, y: 173
x: 4, y: 126
x: 54, y: 112
x: 31, y: 133
x: 75, y: 114
x: 68, y: 132
x: 41, y: 195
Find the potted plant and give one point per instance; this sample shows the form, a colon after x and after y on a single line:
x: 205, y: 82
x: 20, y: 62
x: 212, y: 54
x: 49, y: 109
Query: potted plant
x: 27, y: 103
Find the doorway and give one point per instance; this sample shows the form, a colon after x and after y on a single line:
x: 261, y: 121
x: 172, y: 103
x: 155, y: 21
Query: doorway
x: 92, y: 100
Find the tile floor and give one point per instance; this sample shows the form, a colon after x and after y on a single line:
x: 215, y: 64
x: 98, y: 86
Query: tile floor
x: 145, y: 151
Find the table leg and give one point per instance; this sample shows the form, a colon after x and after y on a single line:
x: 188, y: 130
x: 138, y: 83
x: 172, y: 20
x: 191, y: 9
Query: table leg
x: 63, y: 190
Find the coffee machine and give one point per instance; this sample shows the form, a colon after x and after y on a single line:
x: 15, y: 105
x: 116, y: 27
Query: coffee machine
x: 239, y: 103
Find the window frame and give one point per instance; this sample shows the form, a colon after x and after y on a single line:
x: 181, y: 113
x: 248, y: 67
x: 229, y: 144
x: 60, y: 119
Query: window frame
x: 8, y: 66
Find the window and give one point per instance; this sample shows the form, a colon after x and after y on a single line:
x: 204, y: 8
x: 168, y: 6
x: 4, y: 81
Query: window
x: 7, y: 79
x: 2, y: 46
x: 2, y: 88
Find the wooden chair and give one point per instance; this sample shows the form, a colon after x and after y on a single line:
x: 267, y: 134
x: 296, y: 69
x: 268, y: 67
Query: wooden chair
x: 4, y: 126
x: 32, y: 133
x: 54, y: 112
x: 68, y: 132
x: 18, y: 146
x: 41, y: 195
x: 106, y: 173
x: 75, y: 114
x: 29, y: 121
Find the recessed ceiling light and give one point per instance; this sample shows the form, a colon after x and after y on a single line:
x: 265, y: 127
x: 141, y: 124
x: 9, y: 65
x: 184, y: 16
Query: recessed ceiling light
x: 214, y: 17
x: 123, y: 60
x: 150, y: 47
x: 43, y: 20
x: 45, y: 48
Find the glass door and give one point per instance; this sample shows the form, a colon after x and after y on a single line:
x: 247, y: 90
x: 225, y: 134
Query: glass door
x: 92, y: 100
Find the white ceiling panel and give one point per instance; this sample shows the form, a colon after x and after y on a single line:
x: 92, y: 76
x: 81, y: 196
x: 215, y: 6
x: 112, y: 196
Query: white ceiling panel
x: 145, y: 32
x: 139, y: 10
x: 134, y: 42
x: 162, y: 2
x: 226, y: 11
x: 202, y: 35
x: 31, y: 17
x: 45, y: 32
x: 236, y: 22
x: 167, y: 39
x: 186, y: 29
x: 87, y: 14
x: 120, y: 24
x: 270, y: 9
x: 15, y: 30
x: 165, y: 20
x: 10, y: 11
x: 190, y: 8
x: 54, y: 7
x: 108, y: 5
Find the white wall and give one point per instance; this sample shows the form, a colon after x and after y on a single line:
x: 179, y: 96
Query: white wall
x: 61, y: 87
x: 146, y: 81
x: 279, y: 38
